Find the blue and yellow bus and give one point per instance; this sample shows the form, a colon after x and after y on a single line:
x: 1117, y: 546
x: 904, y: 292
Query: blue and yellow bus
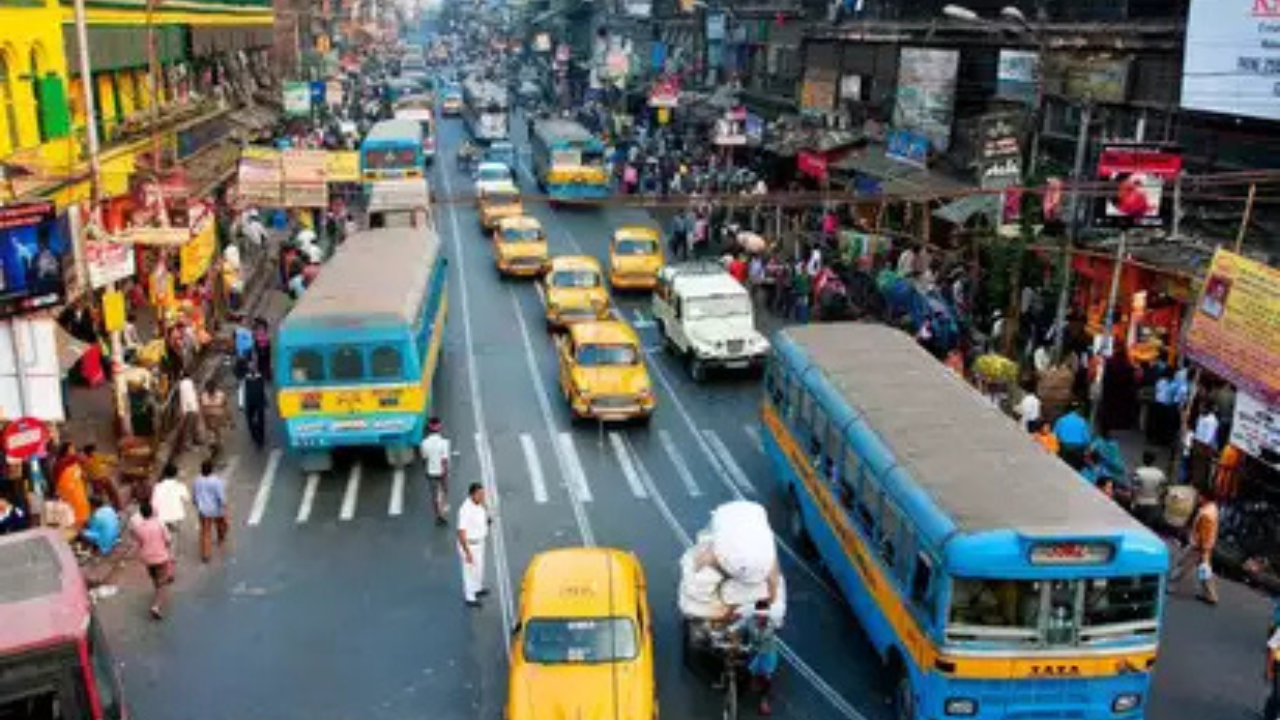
x: 569, y: 161
x: 994, y: 582
x: 393, y: 150
x: 355, y: 358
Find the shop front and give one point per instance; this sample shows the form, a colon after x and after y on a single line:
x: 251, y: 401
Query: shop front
x: 1151, y: 304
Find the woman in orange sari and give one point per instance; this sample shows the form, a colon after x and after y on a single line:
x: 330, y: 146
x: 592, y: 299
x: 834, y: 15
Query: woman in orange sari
x: 70, y: 485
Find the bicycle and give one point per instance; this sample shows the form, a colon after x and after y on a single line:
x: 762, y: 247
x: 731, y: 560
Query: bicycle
x: 735, y: 657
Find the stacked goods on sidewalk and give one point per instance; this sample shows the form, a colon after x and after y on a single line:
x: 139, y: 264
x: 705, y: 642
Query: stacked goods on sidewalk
x: 1054, y: 391
x: 733, y: 565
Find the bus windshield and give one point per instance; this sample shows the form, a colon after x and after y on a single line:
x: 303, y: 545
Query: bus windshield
x: 390, y: 158
x: 1052, y: 613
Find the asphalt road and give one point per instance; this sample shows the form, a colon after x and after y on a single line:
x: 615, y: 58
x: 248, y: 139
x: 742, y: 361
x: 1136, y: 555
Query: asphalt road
x: 341, y: 600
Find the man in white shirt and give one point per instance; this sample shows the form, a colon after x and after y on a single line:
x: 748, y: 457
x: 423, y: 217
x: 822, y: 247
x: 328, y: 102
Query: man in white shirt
x: 1028, y: 410
x: 170, y: 499
x: 1148, y: 489
x: 473, y: 529
x: 435, y: 461
x: 189, y: 405
x: 1207, y: 427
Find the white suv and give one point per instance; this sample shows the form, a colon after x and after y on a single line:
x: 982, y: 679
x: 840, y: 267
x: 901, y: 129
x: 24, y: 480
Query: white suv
x: 705, y: 317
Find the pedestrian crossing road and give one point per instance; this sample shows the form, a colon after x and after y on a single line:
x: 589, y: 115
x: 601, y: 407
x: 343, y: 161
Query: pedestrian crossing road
x: 528, y: 469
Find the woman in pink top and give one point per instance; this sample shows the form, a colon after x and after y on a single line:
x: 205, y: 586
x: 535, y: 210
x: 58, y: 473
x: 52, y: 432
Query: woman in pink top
x: 153, y: 550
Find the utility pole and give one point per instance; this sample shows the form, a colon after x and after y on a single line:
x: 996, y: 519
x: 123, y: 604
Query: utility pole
x: 1073, y: 223
x: 1108, y: 321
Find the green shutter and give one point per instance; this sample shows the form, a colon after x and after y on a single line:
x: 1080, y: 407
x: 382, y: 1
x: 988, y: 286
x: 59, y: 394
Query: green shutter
x: 55, y: 113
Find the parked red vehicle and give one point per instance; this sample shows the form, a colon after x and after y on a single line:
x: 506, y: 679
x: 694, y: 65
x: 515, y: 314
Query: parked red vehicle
x: 54, y: 662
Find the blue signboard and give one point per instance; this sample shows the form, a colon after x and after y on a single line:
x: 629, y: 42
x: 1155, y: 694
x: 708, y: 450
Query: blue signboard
x: 658, y: 56
x: 908, y: 147
x: 317, y: 93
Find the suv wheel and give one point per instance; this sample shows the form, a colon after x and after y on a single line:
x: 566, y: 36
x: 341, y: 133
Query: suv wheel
x: 697, y: 368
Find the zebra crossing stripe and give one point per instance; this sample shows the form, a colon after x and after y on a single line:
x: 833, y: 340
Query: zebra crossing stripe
x: 260, y: 498
x: 308, y: 498
x: 628, y: 467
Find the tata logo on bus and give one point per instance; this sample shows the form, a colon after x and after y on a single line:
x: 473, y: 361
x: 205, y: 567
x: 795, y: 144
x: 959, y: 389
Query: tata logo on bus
x: 1055, y: 670
x: 1071, y: 553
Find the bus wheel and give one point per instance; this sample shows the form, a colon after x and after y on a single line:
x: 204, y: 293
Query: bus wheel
x: 904, y: 701
x: 795, y: 526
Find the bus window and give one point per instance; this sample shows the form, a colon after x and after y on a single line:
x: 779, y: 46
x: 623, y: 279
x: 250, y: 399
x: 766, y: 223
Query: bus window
x: 794, y: 394
x: 776, y: 383
x: 867, y: 508
x: 849, y: 479
x: 922, y: 586
x: 1120, y: 606
x: 817, y: 431
x: 890, y: 525
x: 306, y: 366
x: 978, y: 604
x: 834, y: 447
x: 805, y: 420
x: 384, y: 363
x: 104, y: 673
x: 347, y: 363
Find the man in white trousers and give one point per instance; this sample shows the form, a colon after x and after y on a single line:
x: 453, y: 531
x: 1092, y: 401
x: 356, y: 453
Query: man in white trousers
x: 473, y: 529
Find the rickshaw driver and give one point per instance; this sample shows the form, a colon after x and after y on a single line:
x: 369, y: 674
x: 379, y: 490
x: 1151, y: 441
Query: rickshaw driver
x: 760, y: 636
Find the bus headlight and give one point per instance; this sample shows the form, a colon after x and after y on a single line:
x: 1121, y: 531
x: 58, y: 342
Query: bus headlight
x: 1126, y: 702
x: 961, y: 707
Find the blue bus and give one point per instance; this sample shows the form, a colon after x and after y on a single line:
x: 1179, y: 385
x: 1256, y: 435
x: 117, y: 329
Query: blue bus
x: 485, y: 110
x: 393, y: 150
x: 355, y: 358
x: 994, y: 582
x: 568, y: 161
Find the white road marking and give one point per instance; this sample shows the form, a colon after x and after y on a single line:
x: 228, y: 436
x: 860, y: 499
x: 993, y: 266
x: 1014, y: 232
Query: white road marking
x: 308, y: 498
x: 542, y: 294
x: 503, y: 570
x: 575, y: 478
x: 535, y: 468
x: 753, y: 433
x: 677, y: 460
x: 824, y: 689
x: 395, y: 508
x: 566, y: 453
x: 229, y: 469
x: 260, y: 498
x: 573, y: 240
x: 726, y: 460
x: 628, y: 467
x: 641, y: 320
x: 727, y: 481
x: 352, y: 493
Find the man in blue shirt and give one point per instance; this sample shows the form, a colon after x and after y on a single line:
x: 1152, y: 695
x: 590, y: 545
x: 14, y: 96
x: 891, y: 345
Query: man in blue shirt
x: 1073, y: 436
x: 103, y: 528
x: 209, y: 492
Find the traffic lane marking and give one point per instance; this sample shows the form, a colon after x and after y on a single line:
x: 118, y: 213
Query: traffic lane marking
x: 534, y: 465
x: 263, y: 495
x: 308, y: 498
x: 352, y: 493
x: 624, y: 459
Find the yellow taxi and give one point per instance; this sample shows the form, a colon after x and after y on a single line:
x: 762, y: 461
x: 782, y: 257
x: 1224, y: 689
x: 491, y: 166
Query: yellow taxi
x: 602, y: 372
x: 635, y: 256
x: 520, y: 246
x: 583, y: 644
x: 499, y: 202
x: 575, y: 292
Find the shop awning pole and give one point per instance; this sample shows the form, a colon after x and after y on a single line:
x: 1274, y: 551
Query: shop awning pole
x: 1248, y: 215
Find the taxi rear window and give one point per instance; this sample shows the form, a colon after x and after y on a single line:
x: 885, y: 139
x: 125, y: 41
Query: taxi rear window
x: 580, y: 640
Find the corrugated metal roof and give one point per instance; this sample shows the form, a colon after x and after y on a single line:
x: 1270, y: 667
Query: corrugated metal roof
x: 375, y: 277
x: 970, y: 458
x: 394, y: 130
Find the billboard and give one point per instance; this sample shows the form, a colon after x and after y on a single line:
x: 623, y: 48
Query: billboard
x: 34, y: 242
x: 927, y: 93
x: 907, y: 147
x: 1232, y: 58
x: 1235, y: 331
x: 1138, y: 173
x: 1018, y: 76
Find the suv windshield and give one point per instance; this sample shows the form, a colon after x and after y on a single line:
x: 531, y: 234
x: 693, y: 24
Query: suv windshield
x: 575, y: 279
x: 717, y: 306
x: 605, y: 355
x: 580, y: 640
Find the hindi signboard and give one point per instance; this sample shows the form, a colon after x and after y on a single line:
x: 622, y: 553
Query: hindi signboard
x: 1235, y: 331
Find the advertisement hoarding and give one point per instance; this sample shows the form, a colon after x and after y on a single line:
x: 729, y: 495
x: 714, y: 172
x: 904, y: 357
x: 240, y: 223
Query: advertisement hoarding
x: 1232, y: 58
x: 907, y: 147
x: 1255, y: 429
x: 999, y: 151
x: 297, y: 98
x: 926, y: 94
x: 1235, y: 331
x: 1018, y: 76
x: 259, y: 179
x: 1138, y: 172
x: 34, y: 242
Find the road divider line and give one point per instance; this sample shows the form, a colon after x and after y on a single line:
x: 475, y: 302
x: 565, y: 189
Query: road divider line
x: 395, y: 508
x: 566, y: 453
x: 727, y: 481
x: 686, y: 541
x: 535, y: 468
x: 628, y: 467
x: 753, y: 434
x: 678, y: 461
x: 542, y: 294
x: 260, y: 498
x: 496, y: 530
x: 308, y: 498
x: 726, y: 460
x: 351, y: 494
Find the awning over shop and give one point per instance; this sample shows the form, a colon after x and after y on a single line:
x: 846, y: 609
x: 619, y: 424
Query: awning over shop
x: 116, y: 47
x: 207, y: 41
x: 898, y: 178
x: 960, y: 212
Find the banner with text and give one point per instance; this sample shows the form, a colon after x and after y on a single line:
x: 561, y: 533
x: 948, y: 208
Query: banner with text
x: 1235, y: 331
x: 1232, y: 58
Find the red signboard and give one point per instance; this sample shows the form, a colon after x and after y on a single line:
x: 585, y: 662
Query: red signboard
x: 1139, y: 173
x: 812, y: 164
x: 25, y: 438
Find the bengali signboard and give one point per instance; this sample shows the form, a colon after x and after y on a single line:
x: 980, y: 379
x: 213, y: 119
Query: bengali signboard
x: 259, y: 178
x: 304, y: 179
x: 999, y: 151
x: 926, y: 94
x: 1232, y: 58
x: 1139, y: 173
x: 1255, y: 429
x: 1235, y: 331
x: 108, y: 262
